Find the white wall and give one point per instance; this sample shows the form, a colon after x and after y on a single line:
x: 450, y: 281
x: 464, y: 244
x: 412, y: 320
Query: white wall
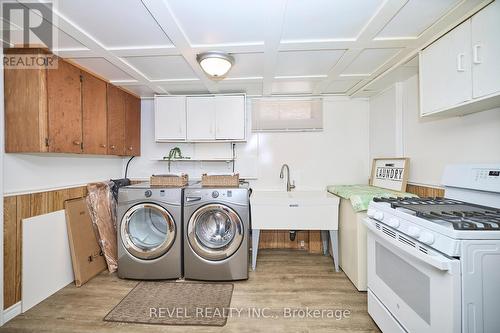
x: 432, y: 143
x: 338, y: 155
x: 41, y: 172
x: 385, y: 115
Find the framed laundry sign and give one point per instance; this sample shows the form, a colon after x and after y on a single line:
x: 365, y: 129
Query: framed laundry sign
x: 390, y: 173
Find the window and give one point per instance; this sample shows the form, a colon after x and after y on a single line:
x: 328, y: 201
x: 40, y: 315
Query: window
x: 290, y: 114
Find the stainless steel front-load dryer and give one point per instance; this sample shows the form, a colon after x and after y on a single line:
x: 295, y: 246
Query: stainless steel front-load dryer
x: 149, y: 232
x: 216, y: 229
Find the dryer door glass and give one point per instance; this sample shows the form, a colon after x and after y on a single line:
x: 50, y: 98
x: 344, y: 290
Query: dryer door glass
x: 215, y: 232
x: 148, y: 231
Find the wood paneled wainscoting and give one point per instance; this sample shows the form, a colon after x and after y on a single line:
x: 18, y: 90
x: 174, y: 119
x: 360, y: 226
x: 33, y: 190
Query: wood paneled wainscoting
x: 16, y: 208
x: 279, y: 239
x: 425, y: 191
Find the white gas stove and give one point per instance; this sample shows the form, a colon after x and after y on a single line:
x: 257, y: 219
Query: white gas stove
x: 434, y: 263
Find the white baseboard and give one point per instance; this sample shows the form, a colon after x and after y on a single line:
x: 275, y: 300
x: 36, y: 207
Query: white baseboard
x: 11, y: 312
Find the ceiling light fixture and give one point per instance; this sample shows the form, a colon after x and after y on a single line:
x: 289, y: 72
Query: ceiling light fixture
x: 216, y: 64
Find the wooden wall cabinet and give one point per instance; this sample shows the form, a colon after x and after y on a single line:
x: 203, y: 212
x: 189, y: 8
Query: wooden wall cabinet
x: 25, y: 91
x: 132, y: 125
x: 116, y: 121
x: 124, y: 123
x: 64, y: 109
x: 94, y: 110
x: 68, y: 110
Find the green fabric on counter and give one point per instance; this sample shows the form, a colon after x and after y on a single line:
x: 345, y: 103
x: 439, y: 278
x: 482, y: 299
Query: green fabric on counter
x: 361, y: 195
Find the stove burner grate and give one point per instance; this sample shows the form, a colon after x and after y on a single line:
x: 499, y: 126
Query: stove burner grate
x: 462, y: 215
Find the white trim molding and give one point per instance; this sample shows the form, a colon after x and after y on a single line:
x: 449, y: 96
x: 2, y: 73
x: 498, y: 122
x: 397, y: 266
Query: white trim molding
x: 12, y: 312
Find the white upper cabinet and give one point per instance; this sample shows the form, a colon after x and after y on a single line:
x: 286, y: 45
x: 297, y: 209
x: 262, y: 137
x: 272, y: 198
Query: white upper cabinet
x: 170, y: 118
x: 230, y: 117
x: 445, y: 71
x: 460, y: 72
x: 200, y: 118
x: 486, y: 51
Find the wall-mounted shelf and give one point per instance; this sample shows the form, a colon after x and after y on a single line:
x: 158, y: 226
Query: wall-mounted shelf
x: 228, y: 160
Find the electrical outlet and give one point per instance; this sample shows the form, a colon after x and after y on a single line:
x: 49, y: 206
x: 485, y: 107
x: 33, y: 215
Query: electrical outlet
x: 302, y: 244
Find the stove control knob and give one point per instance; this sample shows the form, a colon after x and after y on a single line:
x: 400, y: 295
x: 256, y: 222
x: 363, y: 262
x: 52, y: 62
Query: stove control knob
x: 379, y: 216
x: 414, y: 232
x: 371, y: 212
x: 427, y: 238
x: 393, y: 222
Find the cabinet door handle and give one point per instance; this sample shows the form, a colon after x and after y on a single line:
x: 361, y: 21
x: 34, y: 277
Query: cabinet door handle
x: 460, y: 65
x: 103, y: 145
x: 112, y: 147
x: 130, y: 148
x: 77, y: 143
x: 475, y: 52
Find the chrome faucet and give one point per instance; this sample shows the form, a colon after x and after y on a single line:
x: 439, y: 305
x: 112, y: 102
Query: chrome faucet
x: 289, y: 186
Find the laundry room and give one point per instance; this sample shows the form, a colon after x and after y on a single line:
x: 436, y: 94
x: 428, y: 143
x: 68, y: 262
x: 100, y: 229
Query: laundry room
x: 227, y: 166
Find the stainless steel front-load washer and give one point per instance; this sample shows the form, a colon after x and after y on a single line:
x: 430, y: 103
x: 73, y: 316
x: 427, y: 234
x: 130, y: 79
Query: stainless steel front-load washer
x: 149, y: 232
x: 216, y: 229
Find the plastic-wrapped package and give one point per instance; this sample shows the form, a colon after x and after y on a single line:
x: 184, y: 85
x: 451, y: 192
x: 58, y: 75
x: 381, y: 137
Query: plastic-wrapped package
x: 102, y: 209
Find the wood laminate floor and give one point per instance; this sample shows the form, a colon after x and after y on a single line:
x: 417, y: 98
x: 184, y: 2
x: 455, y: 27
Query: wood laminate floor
x: 284, y: 281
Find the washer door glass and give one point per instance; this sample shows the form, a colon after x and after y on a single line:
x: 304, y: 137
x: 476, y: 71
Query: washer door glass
x: 148, y: 231
x: 215, y: 232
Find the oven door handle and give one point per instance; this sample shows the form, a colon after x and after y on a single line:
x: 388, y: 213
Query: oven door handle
x: 441, y: 263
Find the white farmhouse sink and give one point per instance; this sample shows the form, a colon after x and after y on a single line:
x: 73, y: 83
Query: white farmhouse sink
x: 296, y: 210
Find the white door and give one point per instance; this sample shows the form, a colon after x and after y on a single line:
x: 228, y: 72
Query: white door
x: 170, y: 118
x: 486, y: 51
x: 445, y: 73
x: 200, y: 118
x: 230, y: 117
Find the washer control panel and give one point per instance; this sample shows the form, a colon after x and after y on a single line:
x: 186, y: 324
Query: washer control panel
x: 235, y: 195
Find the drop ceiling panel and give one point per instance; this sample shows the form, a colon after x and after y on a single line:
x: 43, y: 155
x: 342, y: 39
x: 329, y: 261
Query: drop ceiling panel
x: 316, y: 62
x: 162, y: 67
x: 250, y: 88
x: 140, y: 90
x: 415, y: 17
x: 115, y: 24
x: 293, y: 86
x: 369, y: 60
x: 327, y: 19
x: 247, y: 65
x: 185, y: 88
x: 224, y: 21
x: 62, y: 41
x: 103, y: 68
x: 340, y: 86
x: 66, y: 42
